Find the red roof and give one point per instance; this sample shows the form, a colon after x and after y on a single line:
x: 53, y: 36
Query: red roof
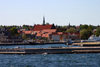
x: 61, y: 33
x: 45, y: 32
x: 28, y: 32
x: 45, y: 35
x: 49, y: 30
x: 38, y: 34
x: 41, y: 27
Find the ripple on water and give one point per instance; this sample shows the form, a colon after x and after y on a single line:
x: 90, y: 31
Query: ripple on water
x: 50, y: 60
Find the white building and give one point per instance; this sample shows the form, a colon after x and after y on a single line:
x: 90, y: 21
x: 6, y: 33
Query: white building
x: 95, y: 38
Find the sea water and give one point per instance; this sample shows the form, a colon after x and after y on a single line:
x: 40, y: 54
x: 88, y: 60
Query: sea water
x: 48, y: 60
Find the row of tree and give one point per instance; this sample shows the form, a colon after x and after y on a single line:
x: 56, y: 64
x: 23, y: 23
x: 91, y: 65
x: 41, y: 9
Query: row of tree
x: 85, y: 30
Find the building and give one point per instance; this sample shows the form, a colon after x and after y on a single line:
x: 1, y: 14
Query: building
x: 44, y: 30
x: 7, y: 38
x: 60, y: 36
x: 43, y: 26
x: 45, y: 33
x: 94, y: 38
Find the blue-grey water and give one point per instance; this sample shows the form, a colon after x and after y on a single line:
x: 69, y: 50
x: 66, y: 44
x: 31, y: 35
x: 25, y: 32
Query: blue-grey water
x: 48, y: 60
x: 34, y: 46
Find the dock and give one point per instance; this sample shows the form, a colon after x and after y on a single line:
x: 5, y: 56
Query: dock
x: 63, y: 50
x: 32, y: 43
x: 87, y: 44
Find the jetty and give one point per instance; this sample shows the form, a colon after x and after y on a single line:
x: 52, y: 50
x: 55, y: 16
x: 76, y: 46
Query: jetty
x: 89, y: 44
x: 63, y: 50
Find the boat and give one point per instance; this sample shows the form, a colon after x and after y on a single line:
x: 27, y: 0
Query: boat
x: 69, y: 42
x: 45, y: 53
x: 92, y: 38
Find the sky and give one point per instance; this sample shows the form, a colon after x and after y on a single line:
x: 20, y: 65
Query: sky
x: 59, y: 12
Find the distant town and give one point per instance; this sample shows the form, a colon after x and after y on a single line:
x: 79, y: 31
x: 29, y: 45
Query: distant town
x: 46, y: 33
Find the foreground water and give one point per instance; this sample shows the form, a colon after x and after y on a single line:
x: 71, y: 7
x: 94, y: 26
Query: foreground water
x: 48, y: 60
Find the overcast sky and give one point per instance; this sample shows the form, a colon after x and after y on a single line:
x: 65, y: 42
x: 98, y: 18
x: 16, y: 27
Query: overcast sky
x: 60, y: 12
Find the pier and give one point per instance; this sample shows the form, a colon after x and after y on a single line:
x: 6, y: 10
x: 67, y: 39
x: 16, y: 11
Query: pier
x: 87, y: 44
x: 62, y: 50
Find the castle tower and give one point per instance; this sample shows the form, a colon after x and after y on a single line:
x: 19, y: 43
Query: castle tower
x: 43, y: 20
x: 69, y: 24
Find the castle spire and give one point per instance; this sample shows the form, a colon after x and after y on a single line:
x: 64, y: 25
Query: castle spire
x: 69, y: 24
x: 43, y: 20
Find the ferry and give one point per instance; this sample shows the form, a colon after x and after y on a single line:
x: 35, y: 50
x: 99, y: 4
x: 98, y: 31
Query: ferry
x: 92, y: 38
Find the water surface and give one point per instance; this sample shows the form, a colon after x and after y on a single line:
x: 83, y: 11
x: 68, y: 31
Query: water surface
x: 50, y: 60
x: 34, y: 46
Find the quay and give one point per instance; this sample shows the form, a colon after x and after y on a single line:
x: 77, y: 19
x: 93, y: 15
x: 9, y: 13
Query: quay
x: 63, y: 50
x: 33, y: 43
x: 87, y: 44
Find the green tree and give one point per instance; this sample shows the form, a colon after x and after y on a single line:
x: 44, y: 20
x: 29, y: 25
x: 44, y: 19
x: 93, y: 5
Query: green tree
x: 97, y: 31
x: 85, y: 33
x: 61, y: 28
x: 13, y: 31
x: 24, y: 36
x: 27, y: 27
x: 83, y: 26
x: 1, y: 26
x: 71, y: 30
x: 90, y: 27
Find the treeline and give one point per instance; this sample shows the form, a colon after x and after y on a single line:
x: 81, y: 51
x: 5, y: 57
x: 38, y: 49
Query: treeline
x: 85, y: 30
x: 13, y: 30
